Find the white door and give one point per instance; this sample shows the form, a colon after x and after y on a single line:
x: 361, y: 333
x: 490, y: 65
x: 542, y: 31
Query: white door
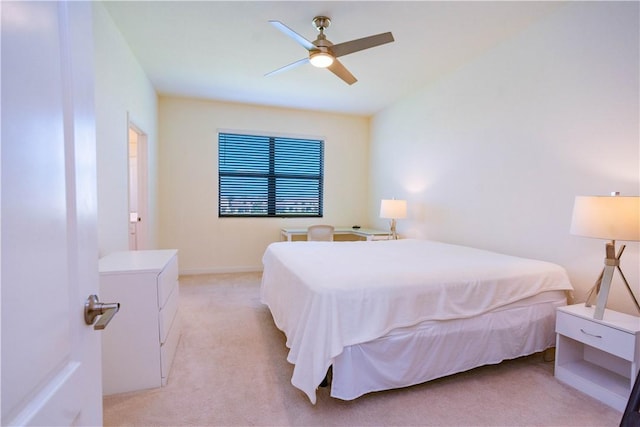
x: 134, y: 215
x: 137, y: 188
x: 51, y: 367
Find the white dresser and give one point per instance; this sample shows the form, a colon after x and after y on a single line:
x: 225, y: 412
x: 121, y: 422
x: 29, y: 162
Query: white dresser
x: 599, y: 357
x: 139, y: 343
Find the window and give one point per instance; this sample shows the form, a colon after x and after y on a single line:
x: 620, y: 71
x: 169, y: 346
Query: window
x: 267, y: 176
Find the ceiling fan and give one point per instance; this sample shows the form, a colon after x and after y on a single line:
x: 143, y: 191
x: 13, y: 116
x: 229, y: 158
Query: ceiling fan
x: 324, y: 54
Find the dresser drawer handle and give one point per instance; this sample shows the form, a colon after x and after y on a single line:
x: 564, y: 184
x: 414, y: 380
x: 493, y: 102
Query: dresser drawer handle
x: 590, y: 334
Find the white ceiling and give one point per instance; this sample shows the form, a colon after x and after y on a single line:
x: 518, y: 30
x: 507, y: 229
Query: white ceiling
x: 221, y: 50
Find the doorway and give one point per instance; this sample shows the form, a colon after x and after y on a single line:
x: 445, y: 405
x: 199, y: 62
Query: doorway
x: 137, y: 142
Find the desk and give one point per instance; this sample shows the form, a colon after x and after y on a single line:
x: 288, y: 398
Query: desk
x: 367, y: 233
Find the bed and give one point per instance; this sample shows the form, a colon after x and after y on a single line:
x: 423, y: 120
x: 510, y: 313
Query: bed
x: 395, y: 313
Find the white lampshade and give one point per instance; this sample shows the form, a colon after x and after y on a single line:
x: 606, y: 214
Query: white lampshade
x: 321, y: 59
x: 607, y: 217
x: 393, y: 209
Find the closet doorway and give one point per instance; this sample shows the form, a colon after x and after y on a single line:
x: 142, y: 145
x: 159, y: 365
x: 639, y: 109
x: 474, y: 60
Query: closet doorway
x: 137, y: 187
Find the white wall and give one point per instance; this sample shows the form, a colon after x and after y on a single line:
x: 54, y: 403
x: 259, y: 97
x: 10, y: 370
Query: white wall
x: 492, y: 155
x: 189, y: 179
x: 122, y: 90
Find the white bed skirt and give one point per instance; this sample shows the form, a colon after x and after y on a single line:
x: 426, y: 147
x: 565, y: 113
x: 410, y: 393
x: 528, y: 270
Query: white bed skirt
x: 435, y: 349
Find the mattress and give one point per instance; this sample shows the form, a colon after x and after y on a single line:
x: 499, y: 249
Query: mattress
x: 326, y: 296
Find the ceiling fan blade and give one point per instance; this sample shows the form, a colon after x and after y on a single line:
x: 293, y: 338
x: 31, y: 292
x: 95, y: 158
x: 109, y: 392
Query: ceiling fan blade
x: 339, y: 70
x: 288, y: 67
x: 346, y: 48
x: 297, y: 37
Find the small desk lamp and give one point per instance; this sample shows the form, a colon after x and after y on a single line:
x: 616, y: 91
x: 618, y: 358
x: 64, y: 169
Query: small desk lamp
x: 393, y: 209
x: 613, y: 218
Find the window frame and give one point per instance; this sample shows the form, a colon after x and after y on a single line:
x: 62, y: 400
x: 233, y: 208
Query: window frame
x: 280, y: 175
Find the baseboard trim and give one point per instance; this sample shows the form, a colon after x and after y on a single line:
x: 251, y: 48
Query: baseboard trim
x: 221, y: 270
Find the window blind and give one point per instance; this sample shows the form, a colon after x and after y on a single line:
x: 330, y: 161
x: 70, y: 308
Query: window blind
x: 265, y: 176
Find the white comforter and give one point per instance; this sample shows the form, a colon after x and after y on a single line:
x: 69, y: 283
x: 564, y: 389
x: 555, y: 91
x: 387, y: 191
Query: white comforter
x: 328, y: 295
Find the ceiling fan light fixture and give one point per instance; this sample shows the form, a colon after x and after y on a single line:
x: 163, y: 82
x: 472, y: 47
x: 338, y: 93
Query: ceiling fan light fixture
x: 324, y: 54
x: 321, y: 59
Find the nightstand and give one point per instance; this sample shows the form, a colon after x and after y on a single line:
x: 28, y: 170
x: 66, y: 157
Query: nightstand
x: 598, y: 357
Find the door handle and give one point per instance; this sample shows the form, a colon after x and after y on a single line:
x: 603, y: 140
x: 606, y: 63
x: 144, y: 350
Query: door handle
x: 94, y: 308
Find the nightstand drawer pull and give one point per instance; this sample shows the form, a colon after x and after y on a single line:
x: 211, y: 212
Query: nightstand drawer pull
x: 590, y: 334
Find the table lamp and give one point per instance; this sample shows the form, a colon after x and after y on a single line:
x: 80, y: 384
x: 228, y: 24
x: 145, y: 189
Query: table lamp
x: 612, y: 218
x: 393, y: 209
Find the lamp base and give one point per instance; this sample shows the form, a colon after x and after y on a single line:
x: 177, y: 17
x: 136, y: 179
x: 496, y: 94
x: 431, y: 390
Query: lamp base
x: 603, y: 284
x: 392, y: 230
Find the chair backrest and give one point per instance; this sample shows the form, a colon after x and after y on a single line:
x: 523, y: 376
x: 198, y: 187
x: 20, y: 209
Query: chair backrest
x: 320, y: 233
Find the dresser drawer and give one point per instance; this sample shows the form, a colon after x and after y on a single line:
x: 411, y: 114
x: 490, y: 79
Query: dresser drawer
x: 167, y: 314
x: 594, y: 334
x: 167, y: 280
x: 168, y: 349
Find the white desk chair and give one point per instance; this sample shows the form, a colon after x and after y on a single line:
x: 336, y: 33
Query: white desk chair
x: 320, y: 233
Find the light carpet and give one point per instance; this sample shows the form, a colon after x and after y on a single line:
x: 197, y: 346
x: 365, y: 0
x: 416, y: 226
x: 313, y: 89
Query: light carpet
x: 230, y: 369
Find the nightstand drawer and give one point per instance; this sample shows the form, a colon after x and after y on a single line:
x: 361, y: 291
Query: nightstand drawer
x: 611, y: 340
